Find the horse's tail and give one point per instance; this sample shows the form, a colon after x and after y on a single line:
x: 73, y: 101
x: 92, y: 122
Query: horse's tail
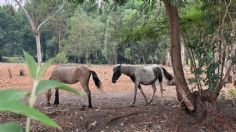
x: 168, y: 76
x: 96, y: 79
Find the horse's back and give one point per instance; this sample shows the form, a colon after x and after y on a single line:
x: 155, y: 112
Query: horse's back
x: 67, y: 65
x: 148, y: 74
x: 65, y: 73
x: 69, y: 73
x: 72, y: 67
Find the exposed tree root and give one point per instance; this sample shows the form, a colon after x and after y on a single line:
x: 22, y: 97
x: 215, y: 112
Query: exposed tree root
x: 208, y: 115
x: 121, y: 116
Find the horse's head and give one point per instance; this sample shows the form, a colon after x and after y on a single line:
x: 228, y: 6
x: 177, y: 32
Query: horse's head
x: 116, y: 73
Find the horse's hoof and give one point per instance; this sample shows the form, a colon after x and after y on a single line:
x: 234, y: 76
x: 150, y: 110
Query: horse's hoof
x: 90, y: 107
x: 131, y: 105
x: 56, y: 103
x: 84, y: 106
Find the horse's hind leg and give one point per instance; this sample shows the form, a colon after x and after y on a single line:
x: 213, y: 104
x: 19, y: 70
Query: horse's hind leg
x: 154, y: 91
x: 89, y: 98
x: 85, y: 86
x: 48, y: 96
x: 161, y: 89
x: 144, y: 96
x: 56, y: 102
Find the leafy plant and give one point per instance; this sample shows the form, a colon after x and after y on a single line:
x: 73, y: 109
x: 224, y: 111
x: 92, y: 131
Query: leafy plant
x: 232, y: 93
x: 222, y: 98
x: 10, y: 99
x: 60, y: 58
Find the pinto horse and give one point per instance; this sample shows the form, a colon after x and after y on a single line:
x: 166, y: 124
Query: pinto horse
x: 72, y: 74
x: 146, y: 75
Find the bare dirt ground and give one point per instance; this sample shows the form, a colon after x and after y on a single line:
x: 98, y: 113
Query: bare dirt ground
x: 110, y: 107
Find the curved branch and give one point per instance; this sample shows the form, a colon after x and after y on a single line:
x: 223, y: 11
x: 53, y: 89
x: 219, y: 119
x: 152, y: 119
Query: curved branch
x: 29, y: 18
x: 48, y: 18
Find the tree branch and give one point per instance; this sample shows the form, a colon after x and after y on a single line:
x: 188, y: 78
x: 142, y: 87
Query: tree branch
x: 222, y: 23
x: 223, y: 79
x: 48, y: 18
x: 227, y: 71
x: 29, y: 18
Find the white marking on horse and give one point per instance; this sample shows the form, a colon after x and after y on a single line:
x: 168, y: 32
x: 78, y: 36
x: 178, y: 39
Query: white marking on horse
x: 155, y: 65
x: 147, y: 76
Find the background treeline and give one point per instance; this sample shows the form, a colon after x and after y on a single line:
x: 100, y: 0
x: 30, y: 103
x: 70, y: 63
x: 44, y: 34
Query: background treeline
x: 85, y: 34
x: 134, y: 32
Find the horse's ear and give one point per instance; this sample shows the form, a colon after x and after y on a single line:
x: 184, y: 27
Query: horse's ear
x: 119, y: 66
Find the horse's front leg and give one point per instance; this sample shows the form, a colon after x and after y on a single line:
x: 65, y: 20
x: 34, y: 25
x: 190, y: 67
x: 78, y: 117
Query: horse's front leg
x: 154, y: 91
x: 144, y: 96
x: 135, y: 93
x: 56, y: 102
x: 48, y: 96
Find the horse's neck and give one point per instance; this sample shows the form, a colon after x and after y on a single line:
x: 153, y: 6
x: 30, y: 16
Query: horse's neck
x: 128, y: 70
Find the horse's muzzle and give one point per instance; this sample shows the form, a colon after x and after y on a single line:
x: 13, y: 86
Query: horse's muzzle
x: 171, y: 83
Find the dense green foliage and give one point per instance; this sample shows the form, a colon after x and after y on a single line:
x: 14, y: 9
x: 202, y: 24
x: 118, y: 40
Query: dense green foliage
x: 210, y: 39
x: 125, y: 32
x: 15, y: 34
x: 81, y: 33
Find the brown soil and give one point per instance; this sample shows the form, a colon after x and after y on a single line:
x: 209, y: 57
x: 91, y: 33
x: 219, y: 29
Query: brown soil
x: 110, y: 111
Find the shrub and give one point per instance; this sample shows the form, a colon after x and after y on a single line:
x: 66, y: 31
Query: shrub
x: 60, y: 58
x: 232, y: 93
x: 14, y: 59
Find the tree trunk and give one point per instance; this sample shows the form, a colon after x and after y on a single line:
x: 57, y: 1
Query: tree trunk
x: 115, y: 55
x: 35, y: 26
x: 233, y: 71
x: 183, y: 54
x: 87, y: 57
x: 189, y: 51
x: 106, y: 39
x: 182, y: 88
x: 168, y: 59
x: 38, y: 45
x: 202, y: 102
x: 59, y: 32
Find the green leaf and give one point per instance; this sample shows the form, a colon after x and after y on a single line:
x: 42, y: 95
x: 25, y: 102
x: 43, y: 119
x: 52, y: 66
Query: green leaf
x: 10, y: 127
x: 43, y: 69
x: 32, y: 66
x: 11, y: 94
x: 49, y: 84
x: 19, y: 108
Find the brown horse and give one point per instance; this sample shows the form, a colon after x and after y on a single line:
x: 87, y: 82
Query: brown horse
x: 72, y: 74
